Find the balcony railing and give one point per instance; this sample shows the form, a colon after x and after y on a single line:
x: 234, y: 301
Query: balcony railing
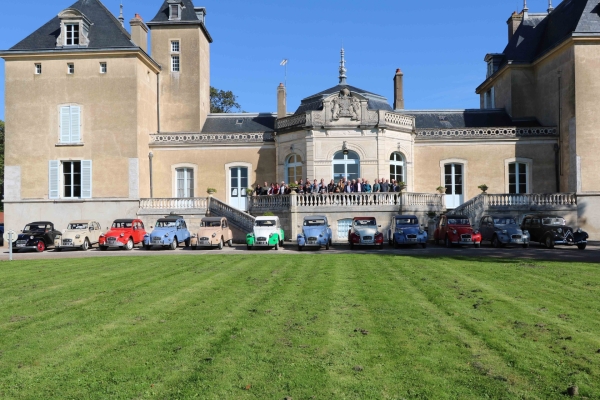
x: 174, y: 204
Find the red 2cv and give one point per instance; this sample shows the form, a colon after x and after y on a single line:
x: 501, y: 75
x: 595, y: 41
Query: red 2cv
x: 123, y: 234
x: 456, y: 229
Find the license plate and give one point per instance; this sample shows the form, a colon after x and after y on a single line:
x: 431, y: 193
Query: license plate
x: 204, y: 242
x: 312, y: 242
x: 261, y: 243
x: 67, y: 244
x: 20, y: 245
x: 156, y: 240
x: 466, y: 240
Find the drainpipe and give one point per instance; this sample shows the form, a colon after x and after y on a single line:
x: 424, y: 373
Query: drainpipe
x: 150, y: 156
x: 158, y: 102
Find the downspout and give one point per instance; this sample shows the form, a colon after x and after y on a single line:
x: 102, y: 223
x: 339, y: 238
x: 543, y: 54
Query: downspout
x: 150, y: 156
x: 158, y: 102
x: 558, y: 146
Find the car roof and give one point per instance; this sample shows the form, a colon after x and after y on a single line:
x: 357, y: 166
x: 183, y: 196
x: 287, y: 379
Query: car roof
x: 212, y: 219
x: 124, y: 220
x: 263, y: 218
x: 315, y: 217
x: 40, y: 223
x: 457, y: 216
x: 363, y: 218
x: 169, y: 219
x: 499, y: 216
x: 82, y: 221
x: 405, y: 216
x: 543, y: 216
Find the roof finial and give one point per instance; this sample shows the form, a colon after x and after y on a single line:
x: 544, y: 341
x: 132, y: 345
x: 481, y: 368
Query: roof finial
x: 121, y: 18
x: 550, y: 8
x: 343, y: 69
x: 525, y: 9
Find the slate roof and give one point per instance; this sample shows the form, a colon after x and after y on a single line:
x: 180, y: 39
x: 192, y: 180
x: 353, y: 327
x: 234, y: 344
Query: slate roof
x: 188, y: 16
x: 540, y: 33
x: 229, y: 123
x: 105, y: 33
x: 315, y: 102
x: 475, y: 118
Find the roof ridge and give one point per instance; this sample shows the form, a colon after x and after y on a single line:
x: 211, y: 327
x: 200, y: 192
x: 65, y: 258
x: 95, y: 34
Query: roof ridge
x: 112, y: 17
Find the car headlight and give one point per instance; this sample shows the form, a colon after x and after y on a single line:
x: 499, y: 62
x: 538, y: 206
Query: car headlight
x: 166, y: 235
x: 194, y: 236
x: 504, y: 231
x: 559, y: 230
x: 122, y: 234
x: 454, y: 231
x: 475, y: 232
x: 214, y: 234
x: 31, y: 237
x: 421, y: 231
x: 525, y: 232
x: 77, y: 236
x: 579, y: 230
x: 400, y: 231
x: 101, y: 236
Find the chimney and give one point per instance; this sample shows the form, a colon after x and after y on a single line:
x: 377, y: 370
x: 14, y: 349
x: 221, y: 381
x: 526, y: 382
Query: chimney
x: 281, y: 106
x: 200, y: 13
x: 514, y: 22
x: 399, y: 90
x: 139, y: 32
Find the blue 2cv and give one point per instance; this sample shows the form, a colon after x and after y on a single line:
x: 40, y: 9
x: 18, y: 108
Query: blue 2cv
x: 315, y: 233
x: 169, y: 232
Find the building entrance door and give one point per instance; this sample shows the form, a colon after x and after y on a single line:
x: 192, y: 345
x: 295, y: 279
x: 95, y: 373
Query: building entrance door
x: 238, y: 182
x: 453, y: 176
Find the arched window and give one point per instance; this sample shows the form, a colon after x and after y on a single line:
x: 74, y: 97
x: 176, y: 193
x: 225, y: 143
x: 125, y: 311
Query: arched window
x: 293, y: 168
x: 397, y: 167
x: 346, y: 165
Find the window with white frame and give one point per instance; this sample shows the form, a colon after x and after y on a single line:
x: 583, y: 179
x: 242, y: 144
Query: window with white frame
x: 175, y: 63
x: 70, y: 68
x: 175, y: 46
x: 397, y: 167
x: 70, y: 179
x: 71, y: 34
x: 293, y: 168
x: 103, y: 68
x: 518, y: 179
x: 38, y: 69
x: 185, y: 182
x: 70, y: 124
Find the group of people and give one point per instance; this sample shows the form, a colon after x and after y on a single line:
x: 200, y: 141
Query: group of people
x: 344, y: 185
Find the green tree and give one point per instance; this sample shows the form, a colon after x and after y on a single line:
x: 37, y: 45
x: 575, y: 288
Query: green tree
x: 1, y: 164
x: 222, y: 101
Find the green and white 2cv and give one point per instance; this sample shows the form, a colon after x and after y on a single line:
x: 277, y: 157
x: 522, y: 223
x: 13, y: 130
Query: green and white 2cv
x: 267, y: 232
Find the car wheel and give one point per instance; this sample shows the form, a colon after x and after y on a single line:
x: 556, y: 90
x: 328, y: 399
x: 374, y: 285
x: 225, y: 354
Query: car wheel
x: 300, y: 248
x: 129, y: 245
x: 230, y: 243
x: 187, y: 242
x: 526, y: 245
x: 86, y: 245
x: 40, y: 246
x: 424, y: 245
x: 249, y: 247
x: 549, y: 242
x: 194, y: 247
x: 327, y: 245
x: 174, y: 244
x: 380, y: 247
x: 351, y: 246
x: 477, y: 245
x: 147, y: 247
x: 582, y: 246
x: 277, y: 245
x: 447, y: 242
x: 495, y: 242
x: 103, y: 248
x: 395, y: 243
x: 221, y: 244
x: 58, y: 249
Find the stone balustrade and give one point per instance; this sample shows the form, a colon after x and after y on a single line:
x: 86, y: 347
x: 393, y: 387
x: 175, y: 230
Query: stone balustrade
x: 169, y: 139
x: 174, y: 204
x: 402, y: 120
x: 485, y: 133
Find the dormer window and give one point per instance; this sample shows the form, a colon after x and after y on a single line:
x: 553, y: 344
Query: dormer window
x: 74, y: 29
x: 175, y: 9
x: 72, y: 34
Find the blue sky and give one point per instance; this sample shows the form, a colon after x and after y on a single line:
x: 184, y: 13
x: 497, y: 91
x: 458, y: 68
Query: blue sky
x: 438, y: 44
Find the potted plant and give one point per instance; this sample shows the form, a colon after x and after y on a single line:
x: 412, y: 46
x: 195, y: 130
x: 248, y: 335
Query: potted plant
x: 441, y: 189
x: 432, y: 214
x: 249, y: 191
x: 483, y: 188
x: 293, y: 187
x: 401, y: 185
x: 268, y: 214
x: 211, y: 191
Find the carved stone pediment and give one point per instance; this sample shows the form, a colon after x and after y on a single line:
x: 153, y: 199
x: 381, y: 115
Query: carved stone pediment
x: 71, y: 16
x: 345, y: 107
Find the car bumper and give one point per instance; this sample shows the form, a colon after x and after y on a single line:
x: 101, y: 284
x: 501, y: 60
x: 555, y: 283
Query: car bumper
x: 160, y: 242
x: 302, y: 242
x: 402, y: 239
x: 509, y: 240
x: 213, y: 242
x: 67, y: 245
x: 115, y: 244
x: 26, y: 247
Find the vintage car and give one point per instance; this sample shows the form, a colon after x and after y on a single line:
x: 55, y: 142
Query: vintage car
x: 405, y: 230
x: 213, y: 232
x: 364, y: 232
x: 456, y: 229
x: 169, y: 232
x: 267, y: 232
x: 551, y: 230
x: 36, y: 236
x: 123, y: 234
x: 79, y: 234
x: 315, y: 233
x: 501, y: 230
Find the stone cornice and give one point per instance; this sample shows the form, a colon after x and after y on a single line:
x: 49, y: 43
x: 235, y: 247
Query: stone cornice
x: 485, y: 133
x: 170, y: 139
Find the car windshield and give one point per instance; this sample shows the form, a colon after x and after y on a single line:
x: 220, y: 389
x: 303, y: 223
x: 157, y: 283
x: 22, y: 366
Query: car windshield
x: 504, y: 221
x: 266, y: 222
x: 77, y: 226
x: 36, y: 227
x: 122, y: 225
x: 406, y: 221
x: 314, y: 222
x: 207, y: 224
x: 554, y: 221
x: 458, y: 221
x: 166, y: 224
x: 365, y: 222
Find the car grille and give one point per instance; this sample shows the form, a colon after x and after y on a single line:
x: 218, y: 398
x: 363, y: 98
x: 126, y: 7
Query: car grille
x: 262, y: 239
x: 67, y: 240
x: 517, y: 237
x: 411, y: 236
x: 156, y: 239
x: 367, y: 237
x: 23, y: 242
x: 112, y: 239
x: 312, y: 239
x: 205, y: 239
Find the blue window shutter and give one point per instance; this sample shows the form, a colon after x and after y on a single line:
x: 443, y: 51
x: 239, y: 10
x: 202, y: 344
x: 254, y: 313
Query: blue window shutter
x: 75, y: 124
x: 53, y: 179
x: 86, y: 179
x: 65, y: 124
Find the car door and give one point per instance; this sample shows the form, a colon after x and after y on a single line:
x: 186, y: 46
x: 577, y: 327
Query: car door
x: 96, y: 233
x: 49, y: 235
x: 138, y: 234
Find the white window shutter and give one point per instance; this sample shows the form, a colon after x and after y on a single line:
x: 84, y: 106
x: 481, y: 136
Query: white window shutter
x: 65, y: 124
x: 53, y: 179
x: 75, y: 124
x: 86, y: 179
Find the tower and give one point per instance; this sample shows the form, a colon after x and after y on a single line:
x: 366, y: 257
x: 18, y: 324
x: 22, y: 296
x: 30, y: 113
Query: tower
x: 181, y: 45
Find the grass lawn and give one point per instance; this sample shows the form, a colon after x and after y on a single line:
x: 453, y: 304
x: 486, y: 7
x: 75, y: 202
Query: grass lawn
x: 266, y: 326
